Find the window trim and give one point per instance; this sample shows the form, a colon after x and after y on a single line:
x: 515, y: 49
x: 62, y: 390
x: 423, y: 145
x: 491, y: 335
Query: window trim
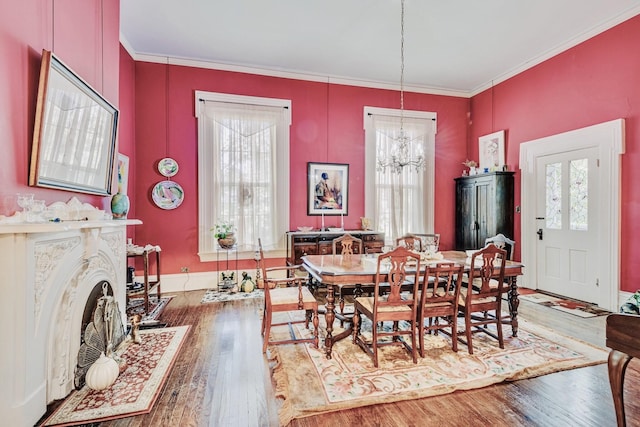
x: 429, y: 158
x: 205, y: 222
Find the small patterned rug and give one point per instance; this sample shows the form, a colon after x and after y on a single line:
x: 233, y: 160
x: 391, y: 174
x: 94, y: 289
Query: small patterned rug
x: 577, y: 308
x: 213, y: 295
x: 136, y: 389
x: 156, y: 306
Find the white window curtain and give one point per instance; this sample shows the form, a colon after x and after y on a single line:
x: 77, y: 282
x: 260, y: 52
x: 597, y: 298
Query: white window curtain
x: 401, y: 203
x: 244, y: 167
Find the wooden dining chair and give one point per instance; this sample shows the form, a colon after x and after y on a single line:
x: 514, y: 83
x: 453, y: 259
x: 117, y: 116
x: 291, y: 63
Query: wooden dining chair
x: 439, y: 301
x: 409, y: 241
x: 345, y: 245
x: 284, y: 291
x: 503, y: 242
x: 429, y: 241
x: 481, y: 299
x: 400, y: 308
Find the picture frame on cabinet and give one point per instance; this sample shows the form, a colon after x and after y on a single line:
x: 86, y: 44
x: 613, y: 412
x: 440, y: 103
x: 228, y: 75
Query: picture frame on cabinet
x: 327, y: 188
x: 491, y: 152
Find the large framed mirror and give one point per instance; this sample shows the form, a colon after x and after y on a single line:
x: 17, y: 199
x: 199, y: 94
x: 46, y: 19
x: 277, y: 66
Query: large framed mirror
x: 75, y: 133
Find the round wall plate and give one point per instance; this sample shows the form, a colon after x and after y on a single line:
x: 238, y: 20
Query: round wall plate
x: 167, y: 195
x: 168, y: 167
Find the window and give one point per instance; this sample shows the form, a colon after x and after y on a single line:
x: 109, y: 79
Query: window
x: 402, y: 203
x: 243, y: 170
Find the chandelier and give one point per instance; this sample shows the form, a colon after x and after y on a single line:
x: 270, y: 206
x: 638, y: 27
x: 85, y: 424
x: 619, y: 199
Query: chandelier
x: 400, y: 157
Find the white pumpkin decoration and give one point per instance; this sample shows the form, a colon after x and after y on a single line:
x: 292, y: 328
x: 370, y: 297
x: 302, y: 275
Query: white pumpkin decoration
x: 102, y: 373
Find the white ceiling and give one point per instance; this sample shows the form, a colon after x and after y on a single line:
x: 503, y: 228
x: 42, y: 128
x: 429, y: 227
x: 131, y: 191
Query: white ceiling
x: 456, y: 47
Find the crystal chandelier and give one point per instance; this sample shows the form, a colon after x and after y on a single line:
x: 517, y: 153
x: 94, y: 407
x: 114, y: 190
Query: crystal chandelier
x: 401, y: 156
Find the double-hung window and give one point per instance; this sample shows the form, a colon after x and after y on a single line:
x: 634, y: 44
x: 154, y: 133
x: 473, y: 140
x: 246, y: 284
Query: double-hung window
x: 400, y: 203
x: 243, y: 170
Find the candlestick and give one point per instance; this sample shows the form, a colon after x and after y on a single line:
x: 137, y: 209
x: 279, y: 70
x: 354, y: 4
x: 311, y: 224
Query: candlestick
x: 322, y: 227
x: 342, y: 222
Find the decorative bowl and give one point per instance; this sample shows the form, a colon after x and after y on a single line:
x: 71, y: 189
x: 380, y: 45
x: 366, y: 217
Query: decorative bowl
x: 334, y: 229
x: 305, y: 229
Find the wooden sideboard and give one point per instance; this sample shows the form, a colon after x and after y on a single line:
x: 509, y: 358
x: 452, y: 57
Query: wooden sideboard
x: 300, y: 243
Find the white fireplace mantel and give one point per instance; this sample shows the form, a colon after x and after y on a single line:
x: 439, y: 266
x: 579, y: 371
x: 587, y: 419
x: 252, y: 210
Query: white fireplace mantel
x: 48, y: 271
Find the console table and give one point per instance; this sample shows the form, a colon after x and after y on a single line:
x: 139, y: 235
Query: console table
x: 316, y: 242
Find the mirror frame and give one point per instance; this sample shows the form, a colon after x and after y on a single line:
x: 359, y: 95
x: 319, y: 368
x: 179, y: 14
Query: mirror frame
x: 75, y: 133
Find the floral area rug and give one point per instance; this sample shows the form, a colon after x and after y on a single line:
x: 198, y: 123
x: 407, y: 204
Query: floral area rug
x: 136, y: 389
x: 309, y: 384
x: 213, y: 295
x: 156, y: 306
x: 575, y: 307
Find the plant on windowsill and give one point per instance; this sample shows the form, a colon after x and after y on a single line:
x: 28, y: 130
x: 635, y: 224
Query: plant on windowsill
x: 225, y: 232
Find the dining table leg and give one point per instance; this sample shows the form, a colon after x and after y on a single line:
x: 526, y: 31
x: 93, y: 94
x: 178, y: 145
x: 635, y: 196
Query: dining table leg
x: 514, y: 302
x: 329, y: 318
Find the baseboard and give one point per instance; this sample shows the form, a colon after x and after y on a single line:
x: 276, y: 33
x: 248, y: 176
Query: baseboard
x: 182, y: 282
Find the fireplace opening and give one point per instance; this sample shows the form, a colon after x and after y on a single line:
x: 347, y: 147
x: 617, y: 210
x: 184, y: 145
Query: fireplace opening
x: 102, y: 329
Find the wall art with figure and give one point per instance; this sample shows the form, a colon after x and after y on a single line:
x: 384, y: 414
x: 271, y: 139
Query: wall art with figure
x: 328, y: 185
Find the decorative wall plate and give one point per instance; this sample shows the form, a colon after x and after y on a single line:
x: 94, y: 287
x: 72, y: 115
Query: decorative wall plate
x: 167, y: 195
x: 168, y: 167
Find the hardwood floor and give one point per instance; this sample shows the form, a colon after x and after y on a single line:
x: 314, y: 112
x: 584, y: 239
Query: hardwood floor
x: 222, y: 379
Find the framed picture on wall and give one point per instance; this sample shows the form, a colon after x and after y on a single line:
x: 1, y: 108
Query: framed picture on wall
x: 122, y: 176
x: 491, y: 150
x: 327, y: 188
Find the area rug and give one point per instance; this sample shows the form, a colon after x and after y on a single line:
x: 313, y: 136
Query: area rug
x: 213, y: 295
x: 309, y: 384
x: 156, y: 306
x: 136, y: 389
x: 577, y: 308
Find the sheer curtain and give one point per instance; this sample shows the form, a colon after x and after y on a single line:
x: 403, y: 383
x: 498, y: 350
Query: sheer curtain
x: 242, y: 144
x: 403, y: 202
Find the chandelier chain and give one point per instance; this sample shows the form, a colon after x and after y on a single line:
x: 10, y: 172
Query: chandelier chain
x: 402, y: 68
x: 401, y: 156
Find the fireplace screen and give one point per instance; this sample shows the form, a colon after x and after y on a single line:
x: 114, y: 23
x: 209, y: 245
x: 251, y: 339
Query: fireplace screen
x: 102, y: 335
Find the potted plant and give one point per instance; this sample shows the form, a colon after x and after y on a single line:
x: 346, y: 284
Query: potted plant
x: 225, y: 232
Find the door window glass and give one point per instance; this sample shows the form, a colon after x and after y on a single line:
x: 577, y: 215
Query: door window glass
x: 553, y: 208
x: 578, y: 194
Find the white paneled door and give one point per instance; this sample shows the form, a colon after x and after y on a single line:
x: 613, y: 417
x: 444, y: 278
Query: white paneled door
x: 567, y: 224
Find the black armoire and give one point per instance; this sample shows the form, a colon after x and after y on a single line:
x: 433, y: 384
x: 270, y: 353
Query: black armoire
x: 484, y: 208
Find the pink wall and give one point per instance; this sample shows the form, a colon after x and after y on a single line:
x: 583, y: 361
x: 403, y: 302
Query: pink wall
x: 127, y: 125
x: 327, y: 126
x: 592, y: 83
x: 86, y: 38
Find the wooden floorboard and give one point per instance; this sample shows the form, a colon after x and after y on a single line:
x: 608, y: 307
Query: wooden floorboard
x: 221, y: 378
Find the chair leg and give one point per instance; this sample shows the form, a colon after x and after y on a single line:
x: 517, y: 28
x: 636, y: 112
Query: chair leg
x: 467, y: 327
x: 414, y: 351
x: 454, y: 332
x: 499, y: 328
x: 421, y: 336
x: 374, y: 345
x: 267, y: 331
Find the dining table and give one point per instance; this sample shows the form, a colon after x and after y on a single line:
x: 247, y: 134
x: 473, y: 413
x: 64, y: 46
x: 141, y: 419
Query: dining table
x: 333, y: 270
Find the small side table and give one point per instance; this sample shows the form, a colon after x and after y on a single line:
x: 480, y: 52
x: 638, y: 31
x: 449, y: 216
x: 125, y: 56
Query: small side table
x: 149, y: 285
x: 227, y: 284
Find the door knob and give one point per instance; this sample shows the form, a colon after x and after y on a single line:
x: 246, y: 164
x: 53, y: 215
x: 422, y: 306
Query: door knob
x: 539, y: 233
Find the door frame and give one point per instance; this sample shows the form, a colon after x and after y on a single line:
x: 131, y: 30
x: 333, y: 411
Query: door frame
x: 608, y: 139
